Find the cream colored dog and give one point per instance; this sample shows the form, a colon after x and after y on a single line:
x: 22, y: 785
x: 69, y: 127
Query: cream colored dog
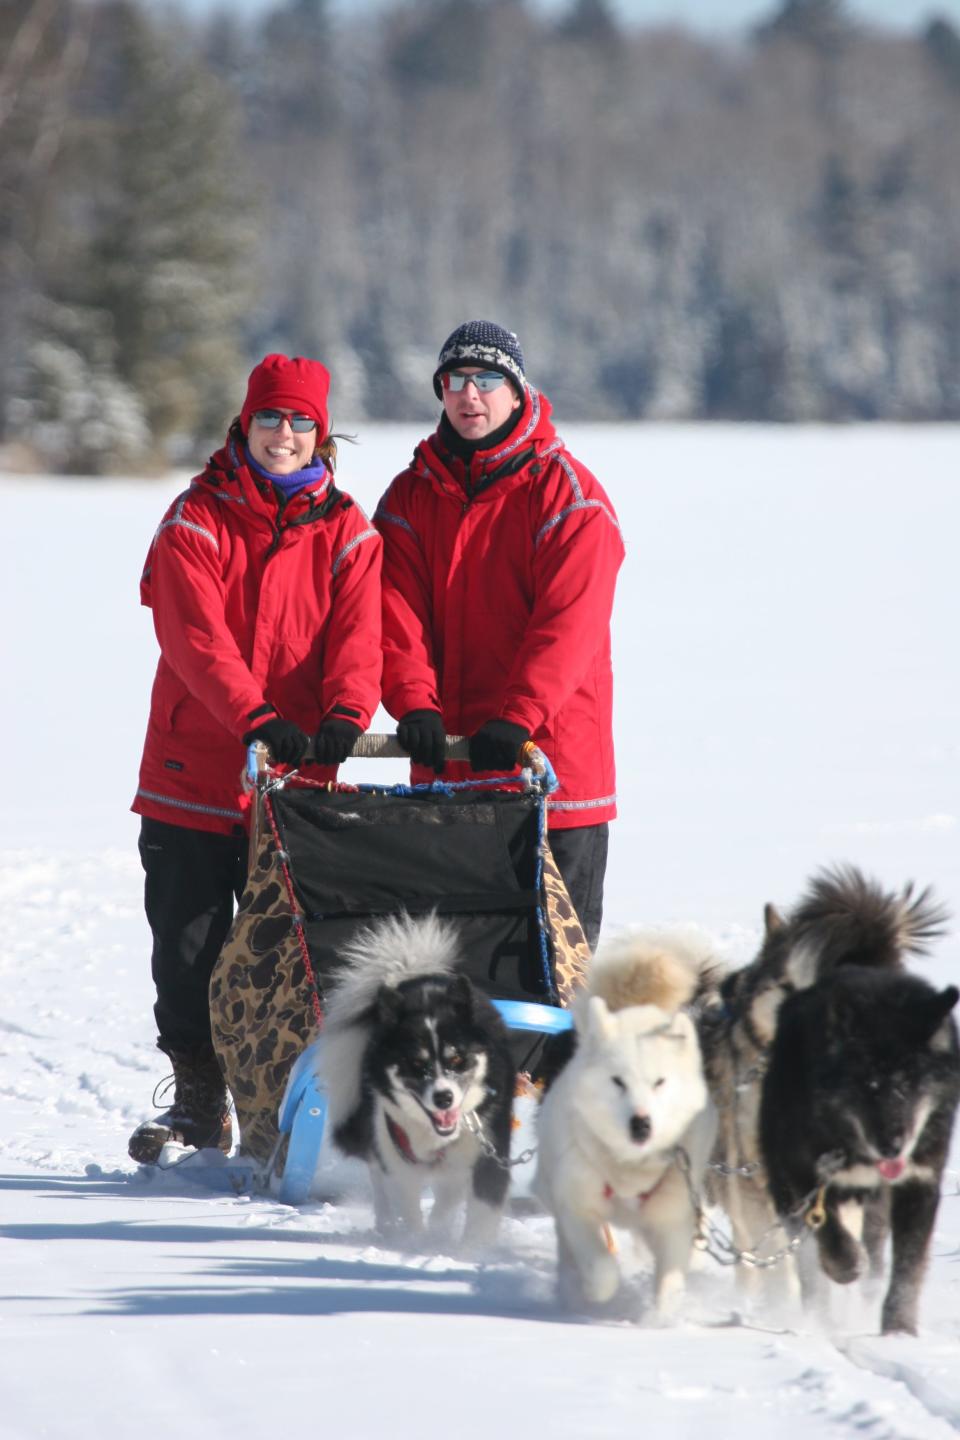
x: 626, y: 1129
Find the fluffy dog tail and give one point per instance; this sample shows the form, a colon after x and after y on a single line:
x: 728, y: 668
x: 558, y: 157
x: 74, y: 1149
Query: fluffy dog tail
x: 386, y: 953
x: 398, y: 948
x: 845, y: 919
x: 669, y: 968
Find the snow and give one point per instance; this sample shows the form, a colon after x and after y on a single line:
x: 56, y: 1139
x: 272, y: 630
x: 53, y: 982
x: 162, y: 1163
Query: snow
x: 786, y: 698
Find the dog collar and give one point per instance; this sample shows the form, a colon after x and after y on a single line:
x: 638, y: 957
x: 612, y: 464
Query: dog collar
x: 401, y: 1140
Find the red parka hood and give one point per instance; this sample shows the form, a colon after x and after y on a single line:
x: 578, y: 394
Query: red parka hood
x: 533, y: 436
x: 227, y: 472
x: 252, y: 499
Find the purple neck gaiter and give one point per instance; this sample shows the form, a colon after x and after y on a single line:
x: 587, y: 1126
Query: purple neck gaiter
x: 290, y: 484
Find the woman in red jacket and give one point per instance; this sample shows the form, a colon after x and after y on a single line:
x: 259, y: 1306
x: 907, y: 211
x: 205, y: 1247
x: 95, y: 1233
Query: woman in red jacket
x: 501, y: 554
x: 264, y: 582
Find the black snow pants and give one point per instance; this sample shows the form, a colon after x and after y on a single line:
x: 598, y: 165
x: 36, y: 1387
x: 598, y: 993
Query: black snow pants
x: 192, y: 880
x: 581, y: 856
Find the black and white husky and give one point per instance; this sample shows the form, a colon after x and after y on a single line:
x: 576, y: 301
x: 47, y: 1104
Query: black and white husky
x: 417, y: 1068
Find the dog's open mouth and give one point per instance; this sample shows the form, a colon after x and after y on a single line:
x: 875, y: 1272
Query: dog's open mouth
x: 445, y: 1122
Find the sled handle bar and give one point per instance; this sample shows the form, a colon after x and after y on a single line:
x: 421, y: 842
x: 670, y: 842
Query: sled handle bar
x: 373, y: 746
x: 378, y: 746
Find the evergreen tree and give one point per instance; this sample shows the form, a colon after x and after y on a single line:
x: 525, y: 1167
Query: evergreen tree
x: 592, y: 22
x: 42, y: 49
x: 290, y: 76
x: 821, y: 24
x: 444, y: 42
x: 942, y: 43
x: 80, y: 417
x: 173, y: 231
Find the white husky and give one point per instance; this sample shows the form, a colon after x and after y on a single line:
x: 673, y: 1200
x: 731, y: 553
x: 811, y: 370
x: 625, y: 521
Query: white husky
x: 626, y: 1129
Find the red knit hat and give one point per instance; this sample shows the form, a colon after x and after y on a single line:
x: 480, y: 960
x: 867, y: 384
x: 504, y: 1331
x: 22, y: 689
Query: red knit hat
x: 280, y: 383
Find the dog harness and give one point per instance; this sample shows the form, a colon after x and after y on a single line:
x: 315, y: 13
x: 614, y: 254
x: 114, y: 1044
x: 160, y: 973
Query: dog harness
x: 401, y: 1140
x: 610, y: 1194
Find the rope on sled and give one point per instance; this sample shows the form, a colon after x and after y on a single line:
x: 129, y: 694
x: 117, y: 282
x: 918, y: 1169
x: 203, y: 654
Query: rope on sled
x: 542, y: 929
x: 295, y: 908
x: 296, y: 780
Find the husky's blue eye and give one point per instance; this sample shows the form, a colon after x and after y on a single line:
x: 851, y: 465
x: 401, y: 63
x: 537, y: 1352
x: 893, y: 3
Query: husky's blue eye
x: 618, y: 1082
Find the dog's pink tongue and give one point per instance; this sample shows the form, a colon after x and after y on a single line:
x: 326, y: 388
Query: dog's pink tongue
x: 891, y: 1169
x: 446, y: 1119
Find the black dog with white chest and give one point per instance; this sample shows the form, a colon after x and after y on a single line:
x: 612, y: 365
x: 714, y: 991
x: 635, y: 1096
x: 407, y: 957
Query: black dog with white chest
x: 417, y: 1066
x: 859, y: 1100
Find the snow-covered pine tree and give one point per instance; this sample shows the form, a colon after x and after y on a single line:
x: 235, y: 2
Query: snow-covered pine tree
x: 172, y: 233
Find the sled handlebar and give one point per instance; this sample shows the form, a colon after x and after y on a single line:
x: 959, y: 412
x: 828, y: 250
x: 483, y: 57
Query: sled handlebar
x: 374, y: 746
x: 378, y: 746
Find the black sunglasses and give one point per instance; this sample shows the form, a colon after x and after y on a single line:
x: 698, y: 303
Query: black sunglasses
x: 271, y: 420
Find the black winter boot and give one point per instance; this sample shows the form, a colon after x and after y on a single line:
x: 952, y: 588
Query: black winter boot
x: 199, y: 1115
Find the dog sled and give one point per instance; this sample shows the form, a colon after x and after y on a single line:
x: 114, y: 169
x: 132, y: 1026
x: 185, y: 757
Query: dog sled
x: 328, y: 859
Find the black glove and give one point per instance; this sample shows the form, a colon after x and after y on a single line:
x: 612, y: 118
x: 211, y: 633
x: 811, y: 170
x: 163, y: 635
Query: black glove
x: 496, y: 745
x: 286, y: 741
x: 334, y: 741
x: 421, y: 734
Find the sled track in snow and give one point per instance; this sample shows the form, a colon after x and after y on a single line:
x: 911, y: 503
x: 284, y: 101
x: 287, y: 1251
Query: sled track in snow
x: 940, y: 1399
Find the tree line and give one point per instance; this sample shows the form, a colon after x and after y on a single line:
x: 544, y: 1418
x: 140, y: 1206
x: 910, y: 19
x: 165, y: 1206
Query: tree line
x: 762, y: 228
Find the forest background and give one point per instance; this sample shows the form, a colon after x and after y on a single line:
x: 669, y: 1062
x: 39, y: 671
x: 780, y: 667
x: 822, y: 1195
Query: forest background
x: 680, y: 227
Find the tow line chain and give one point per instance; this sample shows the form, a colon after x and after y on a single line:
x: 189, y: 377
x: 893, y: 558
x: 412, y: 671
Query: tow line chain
x: 708, y: 1236
x: 474, y: 1124
x: 714, y: 1242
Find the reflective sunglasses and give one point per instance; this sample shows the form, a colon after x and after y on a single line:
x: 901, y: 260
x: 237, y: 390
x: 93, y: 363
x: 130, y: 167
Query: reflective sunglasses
x: 484, y: 380
x: 270, y: 420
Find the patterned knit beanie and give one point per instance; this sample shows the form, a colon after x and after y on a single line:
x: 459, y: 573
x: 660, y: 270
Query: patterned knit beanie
x: 279, y: 383
x: 480, y: 342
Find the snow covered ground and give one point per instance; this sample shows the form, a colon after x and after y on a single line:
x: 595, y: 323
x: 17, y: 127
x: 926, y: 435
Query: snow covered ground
x: 786, y: 697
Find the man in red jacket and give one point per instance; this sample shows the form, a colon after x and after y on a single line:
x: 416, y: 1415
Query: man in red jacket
x: 264, y: 582
x: 501, y: 553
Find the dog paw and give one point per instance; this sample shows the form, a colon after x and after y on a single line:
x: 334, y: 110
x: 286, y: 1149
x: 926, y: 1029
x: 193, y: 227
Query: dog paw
x: 898, y: 1325
x: 668, y: 1297
x: 600, y: 1281
x: 899, y: 1315
x: 842, y: 1258
x: 401, y: 1233
x: 442, y: 1230
x: 481, y: 1227
x: 477, y: 1247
